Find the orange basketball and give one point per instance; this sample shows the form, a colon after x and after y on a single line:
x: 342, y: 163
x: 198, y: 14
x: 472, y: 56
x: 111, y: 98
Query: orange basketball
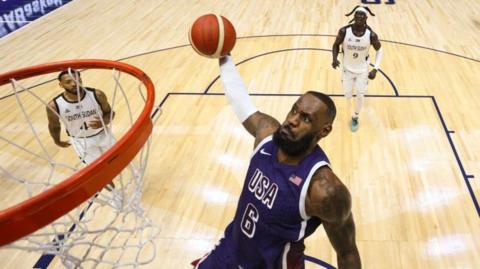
x: 212, y: 36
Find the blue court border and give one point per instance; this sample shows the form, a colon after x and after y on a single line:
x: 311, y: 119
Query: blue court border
x: 46, y: 259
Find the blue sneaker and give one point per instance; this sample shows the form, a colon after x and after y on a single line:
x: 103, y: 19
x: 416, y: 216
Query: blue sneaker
x: 354, y: 124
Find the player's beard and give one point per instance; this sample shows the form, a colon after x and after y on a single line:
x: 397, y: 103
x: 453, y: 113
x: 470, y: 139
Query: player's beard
x: 291, y: 147
x: 75, y: 91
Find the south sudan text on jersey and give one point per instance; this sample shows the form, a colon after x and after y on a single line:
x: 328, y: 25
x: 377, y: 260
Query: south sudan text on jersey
x: 81, y: 115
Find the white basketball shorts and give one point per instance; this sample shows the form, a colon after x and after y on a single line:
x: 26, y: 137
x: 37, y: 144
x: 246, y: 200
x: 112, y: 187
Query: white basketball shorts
x: 353, y: 81
x: 90, y: 148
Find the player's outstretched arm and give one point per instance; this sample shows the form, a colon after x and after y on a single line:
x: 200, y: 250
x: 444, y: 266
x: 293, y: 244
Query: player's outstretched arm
x: 330, y: 200
x: 54, y: 126
x: 258, y: 124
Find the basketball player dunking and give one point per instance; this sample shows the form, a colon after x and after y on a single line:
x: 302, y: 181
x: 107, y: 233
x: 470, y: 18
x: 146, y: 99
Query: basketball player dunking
x: 356, y: 39
x: 85, y: 112
x: 289, y: 189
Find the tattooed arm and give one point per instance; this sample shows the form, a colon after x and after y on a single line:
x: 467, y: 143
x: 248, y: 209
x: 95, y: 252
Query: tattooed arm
x: 260, y: 125
x: 329, y: 200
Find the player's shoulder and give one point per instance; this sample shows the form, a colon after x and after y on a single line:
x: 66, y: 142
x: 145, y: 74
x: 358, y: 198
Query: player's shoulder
x: 52, y: 102
x: 326, y: 177
x: 97, y: 92
x: 329, y: 195
x: 343, y: 30
x: 90, y: 89
x: 372, y: 33
x: 52, y: 105
x: 60, y: 95
x: 341, y: 34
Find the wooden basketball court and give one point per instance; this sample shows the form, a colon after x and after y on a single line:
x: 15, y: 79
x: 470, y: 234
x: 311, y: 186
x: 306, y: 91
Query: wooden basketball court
x: 413, y: 167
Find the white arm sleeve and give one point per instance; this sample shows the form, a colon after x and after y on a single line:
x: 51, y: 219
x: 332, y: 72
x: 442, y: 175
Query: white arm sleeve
x: 235, y: 90
x: 378, y: 58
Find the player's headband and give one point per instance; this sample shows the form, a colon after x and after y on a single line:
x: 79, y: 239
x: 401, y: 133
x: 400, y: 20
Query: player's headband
x: 360, y: 9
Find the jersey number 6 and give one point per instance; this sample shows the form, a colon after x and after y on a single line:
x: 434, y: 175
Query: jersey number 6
x: 249, y: 219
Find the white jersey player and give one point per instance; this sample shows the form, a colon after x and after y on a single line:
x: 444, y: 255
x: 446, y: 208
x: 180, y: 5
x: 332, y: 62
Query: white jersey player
x: 356, y: 39
x: 85, y: 113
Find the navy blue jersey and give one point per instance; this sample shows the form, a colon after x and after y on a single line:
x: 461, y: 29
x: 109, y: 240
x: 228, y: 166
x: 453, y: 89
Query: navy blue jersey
x: 270, y: 213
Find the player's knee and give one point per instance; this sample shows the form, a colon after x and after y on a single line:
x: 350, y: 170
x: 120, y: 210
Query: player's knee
x: 348, y: 94
x: 361, y: 92
x: 347, y: 89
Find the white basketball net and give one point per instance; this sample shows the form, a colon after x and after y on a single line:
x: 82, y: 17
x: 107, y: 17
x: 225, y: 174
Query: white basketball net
x: 111, y: 229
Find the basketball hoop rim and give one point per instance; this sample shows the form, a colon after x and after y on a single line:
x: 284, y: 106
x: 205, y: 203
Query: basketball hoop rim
x: 40, y: 210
